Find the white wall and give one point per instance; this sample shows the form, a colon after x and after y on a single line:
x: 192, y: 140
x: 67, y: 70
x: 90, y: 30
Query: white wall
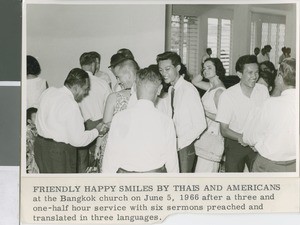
x: 58, y: 34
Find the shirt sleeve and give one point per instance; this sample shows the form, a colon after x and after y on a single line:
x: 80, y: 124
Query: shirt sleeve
x: 77, y: 135
x: 172, y: 164
x: 224, y: 112
x: 197, y: 117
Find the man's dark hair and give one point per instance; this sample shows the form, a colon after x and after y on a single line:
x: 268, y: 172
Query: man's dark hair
x: 29, y: 113
x: 33, y: 66
x: 208, y: 50
x: 95, y: 55
x: 86, y: 59
x: 76, y: 76
x: 149, y: 75
x: 173, y: 56
x: 243, y: 60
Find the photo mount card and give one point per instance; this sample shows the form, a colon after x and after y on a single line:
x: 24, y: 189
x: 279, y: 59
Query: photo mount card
x: 57, y: 33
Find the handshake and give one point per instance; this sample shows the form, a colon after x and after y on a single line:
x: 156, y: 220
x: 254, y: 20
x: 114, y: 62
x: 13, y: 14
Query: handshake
x: 102, y: 128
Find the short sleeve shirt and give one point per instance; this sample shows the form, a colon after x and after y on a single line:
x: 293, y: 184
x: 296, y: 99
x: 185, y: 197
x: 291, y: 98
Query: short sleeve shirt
x: 234, y: 106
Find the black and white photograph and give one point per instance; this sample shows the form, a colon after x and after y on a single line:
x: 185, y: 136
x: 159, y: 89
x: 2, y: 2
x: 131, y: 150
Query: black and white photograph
x: 160, y: 88
x: 135, y: 111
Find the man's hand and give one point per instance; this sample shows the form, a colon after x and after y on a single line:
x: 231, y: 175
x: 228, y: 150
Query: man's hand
x: 240, y: 140
x: 102, y: 128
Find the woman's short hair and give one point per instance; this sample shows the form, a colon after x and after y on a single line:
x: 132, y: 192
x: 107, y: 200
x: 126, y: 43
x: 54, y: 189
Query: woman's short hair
x: 270, y: 66
x: 268, y: 77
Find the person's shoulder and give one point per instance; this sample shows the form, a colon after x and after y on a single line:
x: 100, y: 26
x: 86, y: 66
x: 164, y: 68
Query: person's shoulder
x: 231, y: 90
x: 112, y: 97
x: 188, y: 87
x: 261, y: 88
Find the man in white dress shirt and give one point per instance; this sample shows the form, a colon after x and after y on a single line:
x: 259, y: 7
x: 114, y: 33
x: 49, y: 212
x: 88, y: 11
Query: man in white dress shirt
x: 185, y: 108
x: 60, y: 125
x: 273, y: 130
x: 107, y: 77
x: 234, y: 105
x: 141, y: 138
x: 92, y: 106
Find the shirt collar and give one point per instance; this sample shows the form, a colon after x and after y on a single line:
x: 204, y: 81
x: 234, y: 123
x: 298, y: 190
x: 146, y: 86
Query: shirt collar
x: 179, y: 82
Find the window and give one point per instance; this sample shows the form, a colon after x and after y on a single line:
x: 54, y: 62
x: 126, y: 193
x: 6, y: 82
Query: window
x: 219, y: 40
x: 273, y: 34
x: 253, y: 43
x: 184, y: 40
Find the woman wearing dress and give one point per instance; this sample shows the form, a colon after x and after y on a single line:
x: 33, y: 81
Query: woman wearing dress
x: 116, y: 102
x: 210, y: 146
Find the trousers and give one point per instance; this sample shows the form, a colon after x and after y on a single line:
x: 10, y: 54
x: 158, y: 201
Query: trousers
x: 237, y: 156
x: 54, y: 157
x: 187, y: 159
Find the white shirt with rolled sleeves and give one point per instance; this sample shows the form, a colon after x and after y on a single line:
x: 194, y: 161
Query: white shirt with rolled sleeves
x: 272, y: 130
x: 234, y: 106
x: 189, y: 116
x: 141, y: 138
x: 92, y: 106
x: 59, y: 118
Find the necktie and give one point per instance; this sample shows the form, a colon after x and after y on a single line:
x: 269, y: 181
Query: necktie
x: 172, y: 100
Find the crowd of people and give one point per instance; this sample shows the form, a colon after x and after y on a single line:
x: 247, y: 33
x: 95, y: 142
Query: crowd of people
x: 154, y: 119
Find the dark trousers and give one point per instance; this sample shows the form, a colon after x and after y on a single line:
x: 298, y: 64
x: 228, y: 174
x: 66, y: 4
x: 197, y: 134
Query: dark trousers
x: 237, y: 156
x: 83, y: 154
x: 187, y: 159
x: 262, y: 164
x: 54, y: 157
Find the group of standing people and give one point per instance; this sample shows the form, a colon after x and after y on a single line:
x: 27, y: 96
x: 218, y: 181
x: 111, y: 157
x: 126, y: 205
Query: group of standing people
x: 153, y: 120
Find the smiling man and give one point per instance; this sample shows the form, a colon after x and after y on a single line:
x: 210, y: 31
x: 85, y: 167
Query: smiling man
x: 60, y: 125
x: 185, y: 108
x: 234, y: 105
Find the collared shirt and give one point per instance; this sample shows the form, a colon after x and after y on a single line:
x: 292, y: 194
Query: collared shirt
x: 141, y: 139
x: 273, y: 129
x: 234, y: 106
x: 92, y: 106
x: 189, y: 117
x: 59, y: 118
